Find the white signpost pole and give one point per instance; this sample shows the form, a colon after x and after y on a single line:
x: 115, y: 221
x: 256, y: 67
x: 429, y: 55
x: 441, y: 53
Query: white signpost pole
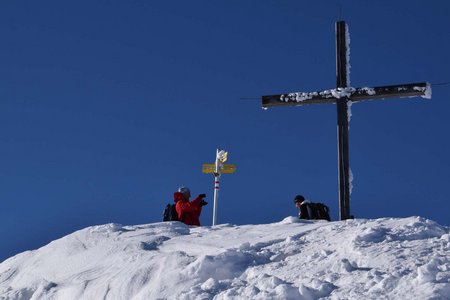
x: 216, y: 187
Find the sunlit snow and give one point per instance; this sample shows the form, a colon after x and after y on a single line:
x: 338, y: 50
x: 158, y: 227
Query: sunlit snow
x: 293, y: 259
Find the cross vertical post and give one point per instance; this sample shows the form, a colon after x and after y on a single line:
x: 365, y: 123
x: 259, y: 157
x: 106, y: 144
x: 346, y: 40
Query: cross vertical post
x: 342, y: 82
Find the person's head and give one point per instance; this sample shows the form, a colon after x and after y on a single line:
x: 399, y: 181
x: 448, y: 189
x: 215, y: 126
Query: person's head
x: 185, y: 192
x: 298, y: 200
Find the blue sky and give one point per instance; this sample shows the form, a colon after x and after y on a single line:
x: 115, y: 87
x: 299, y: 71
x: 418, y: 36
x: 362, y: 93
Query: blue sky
x: 108, y: 106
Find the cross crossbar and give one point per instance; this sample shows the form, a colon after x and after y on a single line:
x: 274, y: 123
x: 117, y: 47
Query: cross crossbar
x: 353, y: 94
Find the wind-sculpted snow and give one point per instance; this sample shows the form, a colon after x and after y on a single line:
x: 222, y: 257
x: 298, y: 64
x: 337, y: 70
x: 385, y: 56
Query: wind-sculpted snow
x: 293, y: 259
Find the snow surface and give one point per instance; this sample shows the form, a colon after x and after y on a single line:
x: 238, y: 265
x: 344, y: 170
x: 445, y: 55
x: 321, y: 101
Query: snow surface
x: 327, y: 94
x: 293, y: 259
x: 369, y: 90
x: 343, y: 92
x: 298, y: 96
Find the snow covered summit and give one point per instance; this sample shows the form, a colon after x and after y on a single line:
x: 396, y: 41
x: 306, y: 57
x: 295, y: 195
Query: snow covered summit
x: 293, y: 259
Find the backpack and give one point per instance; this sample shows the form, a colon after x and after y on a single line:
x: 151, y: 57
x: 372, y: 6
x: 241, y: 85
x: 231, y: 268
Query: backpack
x: 320, y: 211
x: 170, y: 213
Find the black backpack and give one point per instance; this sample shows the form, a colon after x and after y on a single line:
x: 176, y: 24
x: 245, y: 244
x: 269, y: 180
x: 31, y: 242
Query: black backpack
x: 320, y: 211
x: 170, y: 213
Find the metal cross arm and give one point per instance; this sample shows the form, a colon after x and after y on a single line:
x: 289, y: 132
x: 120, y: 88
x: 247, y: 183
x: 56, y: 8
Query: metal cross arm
x: 352, y: 94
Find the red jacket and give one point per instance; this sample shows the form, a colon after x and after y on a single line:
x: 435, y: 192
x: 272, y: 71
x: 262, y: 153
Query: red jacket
x: 188, y: 211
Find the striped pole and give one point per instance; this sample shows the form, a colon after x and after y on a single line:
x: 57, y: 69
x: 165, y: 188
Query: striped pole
x: 216, y: 196
x: 216, y: 188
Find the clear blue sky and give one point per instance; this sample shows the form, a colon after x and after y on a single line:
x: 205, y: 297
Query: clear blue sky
x: 106, y: 107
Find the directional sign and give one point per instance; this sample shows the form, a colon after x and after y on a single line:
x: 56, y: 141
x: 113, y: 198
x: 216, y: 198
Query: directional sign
x: 222, y: 156
x: 211, y: 168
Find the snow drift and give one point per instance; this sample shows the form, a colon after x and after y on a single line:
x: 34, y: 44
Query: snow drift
x: 293, y: 259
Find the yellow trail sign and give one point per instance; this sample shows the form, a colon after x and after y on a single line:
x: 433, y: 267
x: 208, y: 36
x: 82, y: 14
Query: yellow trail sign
x: 211, y: 168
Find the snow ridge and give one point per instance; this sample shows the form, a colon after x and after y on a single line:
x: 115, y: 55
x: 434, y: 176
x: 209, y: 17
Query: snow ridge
x: 291, y: 259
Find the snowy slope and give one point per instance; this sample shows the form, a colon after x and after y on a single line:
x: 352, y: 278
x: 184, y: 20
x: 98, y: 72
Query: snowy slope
x: 293, y: 259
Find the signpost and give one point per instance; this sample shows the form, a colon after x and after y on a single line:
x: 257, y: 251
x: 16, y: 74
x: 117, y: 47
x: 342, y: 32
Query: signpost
x: 217, y: 169
x: 225, y: 168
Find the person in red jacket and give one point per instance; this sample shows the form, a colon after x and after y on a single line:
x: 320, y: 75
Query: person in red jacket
x: 188, y: 211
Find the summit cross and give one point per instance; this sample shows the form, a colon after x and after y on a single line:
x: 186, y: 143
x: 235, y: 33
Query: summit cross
x: 342, y: 96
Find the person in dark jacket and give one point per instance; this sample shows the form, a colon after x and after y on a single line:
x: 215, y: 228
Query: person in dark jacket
x: 304, y: 210
x: 188, y: 211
